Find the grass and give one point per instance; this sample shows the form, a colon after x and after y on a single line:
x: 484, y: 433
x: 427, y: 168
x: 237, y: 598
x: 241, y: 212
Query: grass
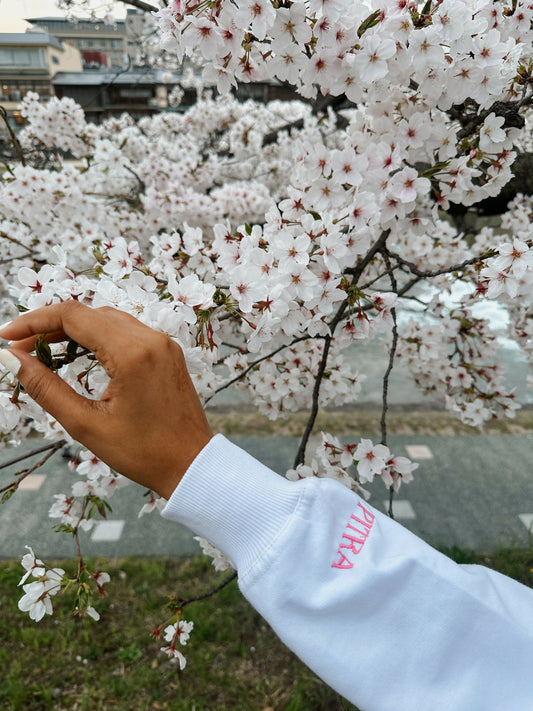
x: 234, y: 661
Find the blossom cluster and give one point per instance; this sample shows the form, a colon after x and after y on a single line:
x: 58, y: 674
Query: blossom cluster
x: 360, y: 49
x: 333, y: 460
x: 177, y: 633
x: 38, y: 593
x: 37, y: 598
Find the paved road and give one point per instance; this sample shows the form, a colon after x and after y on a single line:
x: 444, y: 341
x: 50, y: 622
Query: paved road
x: 471, y: 491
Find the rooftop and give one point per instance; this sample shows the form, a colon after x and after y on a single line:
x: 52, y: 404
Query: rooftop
x: 29, y: 38
x: 80, y: 21
x: 99, y: 77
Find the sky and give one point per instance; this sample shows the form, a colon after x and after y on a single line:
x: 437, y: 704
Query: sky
x: 12, y: 12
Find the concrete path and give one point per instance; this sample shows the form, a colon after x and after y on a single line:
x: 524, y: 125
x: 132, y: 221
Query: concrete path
x: 475, y: 492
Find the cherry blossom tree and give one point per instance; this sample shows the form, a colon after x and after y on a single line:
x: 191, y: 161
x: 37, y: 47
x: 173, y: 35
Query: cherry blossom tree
x: 267, y: 239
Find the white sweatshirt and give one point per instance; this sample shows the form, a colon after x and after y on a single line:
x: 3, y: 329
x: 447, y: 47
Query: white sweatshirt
x: 382, y: 617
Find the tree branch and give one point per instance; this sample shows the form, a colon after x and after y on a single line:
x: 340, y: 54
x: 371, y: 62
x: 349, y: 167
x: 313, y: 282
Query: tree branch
x: 272, y: 136
x: 140, y: 5
x: 14, y: 139
x: 14, y: 485
x: 446, y: 270
x: 356, y: 273
x: 509, y: 110
x: 183, y: 603
x: 252, y: 365
x: 4, y: 235
x: 300, y: 456
x: 55, y: 446
x: 392, y: 354
x: 369, y: 256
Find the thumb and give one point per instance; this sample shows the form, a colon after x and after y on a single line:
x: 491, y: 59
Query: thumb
x: 72, y: 410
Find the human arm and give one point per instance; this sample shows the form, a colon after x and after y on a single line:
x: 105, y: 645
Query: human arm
x: 386, y: 620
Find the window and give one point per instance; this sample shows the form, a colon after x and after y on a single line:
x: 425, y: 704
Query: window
x: 15, y: 89
x: 135, y: 92
x: 55, y: 60
x: 22, y: 57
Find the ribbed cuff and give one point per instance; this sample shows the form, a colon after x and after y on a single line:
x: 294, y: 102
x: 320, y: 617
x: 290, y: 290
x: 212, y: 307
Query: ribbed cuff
x: 232, y: 500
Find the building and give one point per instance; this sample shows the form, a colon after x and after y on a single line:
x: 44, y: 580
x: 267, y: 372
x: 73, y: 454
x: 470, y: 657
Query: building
x: 100, y: 43
x: 77, y: 62
x: 138, y: 25
x: 28, y: 62
x: 143, y: 91
x: 102, y: 94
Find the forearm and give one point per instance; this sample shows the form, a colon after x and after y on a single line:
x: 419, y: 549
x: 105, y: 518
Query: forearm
x: 379, y: 615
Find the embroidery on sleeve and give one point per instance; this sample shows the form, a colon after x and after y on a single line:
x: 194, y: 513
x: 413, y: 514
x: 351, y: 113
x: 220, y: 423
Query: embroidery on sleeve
x: 354, y: 537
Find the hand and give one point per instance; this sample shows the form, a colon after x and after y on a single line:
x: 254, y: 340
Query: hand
x: 149, y: 424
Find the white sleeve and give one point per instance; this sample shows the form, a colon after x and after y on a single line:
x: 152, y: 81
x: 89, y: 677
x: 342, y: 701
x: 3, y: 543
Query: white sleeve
x: 383, y: 618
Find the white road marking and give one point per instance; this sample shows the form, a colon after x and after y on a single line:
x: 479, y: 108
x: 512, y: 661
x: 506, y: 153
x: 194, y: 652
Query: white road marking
x: 401, y: 508
x: 527, y: 520
x: 32, y: 482
x: 418, y: 451
x: 107, y: 531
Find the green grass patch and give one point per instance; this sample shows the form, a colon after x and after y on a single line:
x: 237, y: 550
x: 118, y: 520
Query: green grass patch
x: 234, y: 660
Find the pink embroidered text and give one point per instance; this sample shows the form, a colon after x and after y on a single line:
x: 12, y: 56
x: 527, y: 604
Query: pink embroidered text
x: 354, y: 537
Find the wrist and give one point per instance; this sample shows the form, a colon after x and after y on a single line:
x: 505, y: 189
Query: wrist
x: 232, y: 500
x: 172, y: 478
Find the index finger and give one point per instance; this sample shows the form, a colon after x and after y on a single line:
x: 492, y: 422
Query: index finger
x: 88, y: 327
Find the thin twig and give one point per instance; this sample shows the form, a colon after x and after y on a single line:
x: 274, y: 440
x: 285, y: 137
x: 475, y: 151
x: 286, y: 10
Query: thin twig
x: 54, y: 446
x: 140, y: 181
x: 369, y: 283
x: 81, y: 564
x: 9, y: 238
x: 233, y: 345
x: 26, y: 472
x: 12, y: 259
x: 446, y: 270
x: 204, y: 596
x: 256, y: 362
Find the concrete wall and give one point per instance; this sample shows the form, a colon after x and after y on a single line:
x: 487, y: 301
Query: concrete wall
x: 66, y: 60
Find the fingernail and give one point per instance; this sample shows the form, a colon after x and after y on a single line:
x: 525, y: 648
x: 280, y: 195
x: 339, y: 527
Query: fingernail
x: 4, y: 325
x: 9, y: 361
